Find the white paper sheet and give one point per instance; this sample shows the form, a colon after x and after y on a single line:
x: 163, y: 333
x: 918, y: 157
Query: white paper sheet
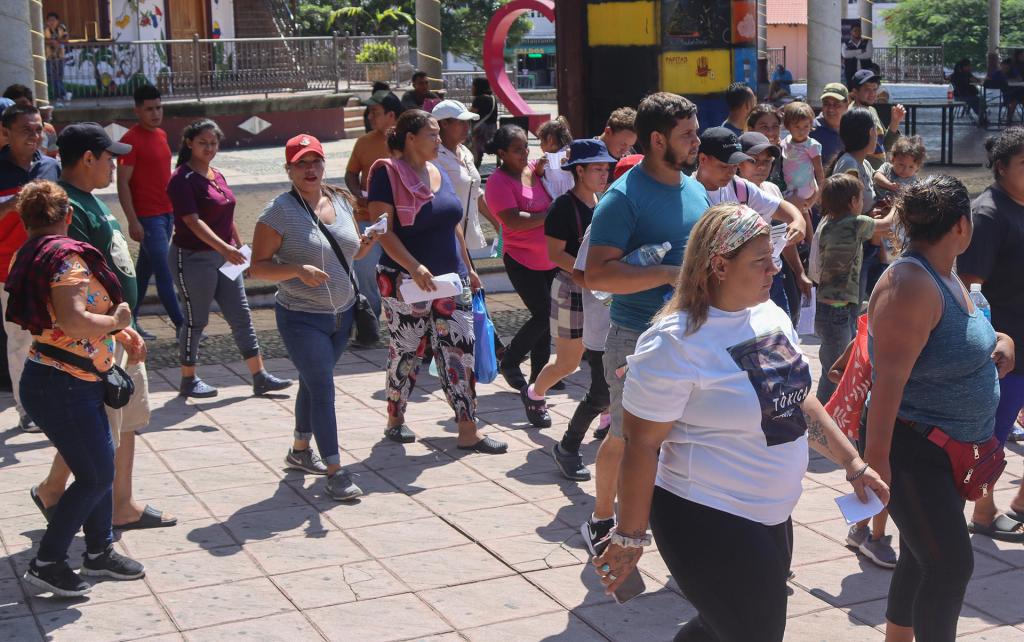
x: 379, y: 228
x: 231, y: 270
x: 855, y: 511
x: 447, y: 285
x: 778, y: 236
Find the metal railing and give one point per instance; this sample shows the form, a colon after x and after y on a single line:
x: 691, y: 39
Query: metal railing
x: 776, y: 57
x: 199, y: 68
x: 910, y: 64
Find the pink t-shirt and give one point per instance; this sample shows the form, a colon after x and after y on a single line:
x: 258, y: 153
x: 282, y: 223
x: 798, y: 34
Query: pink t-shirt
x: 527, y: 247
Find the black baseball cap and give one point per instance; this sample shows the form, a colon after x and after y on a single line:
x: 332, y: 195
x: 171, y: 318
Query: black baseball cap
x: 721, y: 143
x: 78, y: 138
x: 753, y: 143
x: 386, y: 99
x: 863, y: 77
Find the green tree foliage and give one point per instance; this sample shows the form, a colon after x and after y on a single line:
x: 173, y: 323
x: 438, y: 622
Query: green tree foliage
x: 463, y: 23
x: 960, y: 25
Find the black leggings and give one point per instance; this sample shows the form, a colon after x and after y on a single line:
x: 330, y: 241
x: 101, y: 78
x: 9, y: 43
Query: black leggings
x: 736, y: 580
x: 936, y: 559
x: 534, y: 337
x: 596, y: 402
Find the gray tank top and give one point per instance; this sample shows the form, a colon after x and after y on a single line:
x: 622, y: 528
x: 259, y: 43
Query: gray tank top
x: 954, y: 384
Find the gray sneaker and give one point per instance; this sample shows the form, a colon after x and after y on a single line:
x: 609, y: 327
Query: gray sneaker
x: 305, y: 460
x: 880, y: 551
x: 857, y: 536
x: 340, y: 486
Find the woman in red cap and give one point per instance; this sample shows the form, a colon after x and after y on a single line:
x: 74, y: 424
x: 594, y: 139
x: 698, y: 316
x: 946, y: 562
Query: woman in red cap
x: 205, y: 237
x: 307, y: 240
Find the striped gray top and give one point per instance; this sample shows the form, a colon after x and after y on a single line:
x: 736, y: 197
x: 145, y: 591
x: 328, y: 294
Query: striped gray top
x: 302, y: 243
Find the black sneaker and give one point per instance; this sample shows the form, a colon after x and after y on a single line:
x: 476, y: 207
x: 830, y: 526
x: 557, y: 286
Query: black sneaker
x: 57, y: 578
x: 340, y: 486
x: 570, y: 464
x: 601, y: 433
x: 305, y: 460
x: 536, y: 411
x: 402, y: 434
x: 593, y: 532
x: 264, y: 382
x: 27, y: 425
x: 112, y: 564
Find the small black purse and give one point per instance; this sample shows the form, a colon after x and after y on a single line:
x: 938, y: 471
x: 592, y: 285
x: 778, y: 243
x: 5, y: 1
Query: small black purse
x: 118, y: 385
x: 366, y: 325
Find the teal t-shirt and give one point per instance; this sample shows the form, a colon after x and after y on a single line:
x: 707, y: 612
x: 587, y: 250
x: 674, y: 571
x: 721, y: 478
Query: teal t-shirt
x: 638, y: 210
x: 93, y: 223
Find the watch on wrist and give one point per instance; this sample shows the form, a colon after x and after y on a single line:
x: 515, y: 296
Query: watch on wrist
x: 625, y: 541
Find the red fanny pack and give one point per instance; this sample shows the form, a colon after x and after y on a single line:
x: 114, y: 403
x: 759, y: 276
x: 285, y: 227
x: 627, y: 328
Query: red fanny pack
x: 976, y: 465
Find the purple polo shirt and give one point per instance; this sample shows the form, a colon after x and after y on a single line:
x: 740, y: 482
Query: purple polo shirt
x: 213, y: 201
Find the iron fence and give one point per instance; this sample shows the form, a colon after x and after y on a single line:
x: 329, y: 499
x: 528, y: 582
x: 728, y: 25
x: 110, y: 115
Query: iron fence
x: 910, y: 64
x: 776, y: 57
x: 199, y: 68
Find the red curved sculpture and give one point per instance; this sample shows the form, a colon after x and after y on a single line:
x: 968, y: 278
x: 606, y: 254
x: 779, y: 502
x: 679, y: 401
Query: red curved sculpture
x: 494, y: 56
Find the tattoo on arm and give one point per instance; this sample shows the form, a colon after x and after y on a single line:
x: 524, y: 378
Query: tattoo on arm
x: 816, y: 432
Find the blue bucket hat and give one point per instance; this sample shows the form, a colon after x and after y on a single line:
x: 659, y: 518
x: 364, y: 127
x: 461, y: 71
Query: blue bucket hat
x: 587, y: 151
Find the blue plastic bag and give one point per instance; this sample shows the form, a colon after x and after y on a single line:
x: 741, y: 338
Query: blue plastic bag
x: 486, y: 363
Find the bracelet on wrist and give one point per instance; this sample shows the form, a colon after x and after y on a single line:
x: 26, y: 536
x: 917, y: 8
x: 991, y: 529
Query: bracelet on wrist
x: 858, y: 474
x: 626, y: 541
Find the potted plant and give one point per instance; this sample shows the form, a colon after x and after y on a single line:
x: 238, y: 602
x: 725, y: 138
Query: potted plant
x: 379, y: 59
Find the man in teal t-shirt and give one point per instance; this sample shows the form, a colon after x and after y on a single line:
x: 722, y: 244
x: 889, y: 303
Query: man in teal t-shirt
x: 88, y: 156
x: 652, y: 203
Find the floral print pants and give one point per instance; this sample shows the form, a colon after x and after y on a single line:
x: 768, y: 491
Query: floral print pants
x: 447, y: 325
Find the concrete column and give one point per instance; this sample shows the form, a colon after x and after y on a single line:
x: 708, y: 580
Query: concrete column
x: 867, y: 20
x: 824, y: 34
x: 993, y: 26
x: 16, y: 64
x: 428, y: 40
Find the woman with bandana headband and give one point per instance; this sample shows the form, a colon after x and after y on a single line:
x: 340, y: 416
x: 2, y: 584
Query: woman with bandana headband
x: 718, y: 417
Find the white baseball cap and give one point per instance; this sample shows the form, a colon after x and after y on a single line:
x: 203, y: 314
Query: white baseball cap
x: 452, y: 109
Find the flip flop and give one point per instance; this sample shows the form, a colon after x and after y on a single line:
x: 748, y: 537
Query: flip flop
x: 150, y: 518
x: 1003, y: 528
x: 47, y: 512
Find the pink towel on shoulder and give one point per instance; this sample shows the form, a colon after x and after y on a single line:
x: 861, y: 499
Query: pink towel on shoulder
x: 408, y: 190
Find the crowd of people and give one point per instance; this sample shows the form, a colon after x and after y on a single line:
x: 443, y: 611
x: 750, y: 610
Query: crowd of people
x: 678, y: 273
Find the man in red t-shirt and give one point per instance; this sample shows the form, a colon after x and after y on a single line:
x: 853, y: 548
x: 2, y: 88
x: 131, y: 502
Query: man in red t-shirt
x: 142, y: 177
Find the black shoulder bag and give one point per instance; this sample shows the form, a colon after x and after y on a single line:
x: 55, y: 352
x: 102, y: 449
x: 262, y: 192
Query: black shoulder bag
x: 118, y: 386
x: 366, y: 325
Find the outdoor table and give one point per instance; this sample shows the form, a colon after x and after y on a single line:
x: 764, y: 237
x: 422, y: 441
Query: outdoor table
x: 948, y: 110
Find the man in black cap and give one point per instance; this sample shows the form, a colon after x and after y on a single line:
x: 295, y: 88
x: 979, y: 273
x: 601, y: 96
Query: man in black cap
x: 719, y: 157
x: 863, y: 92
x: 88, y: 154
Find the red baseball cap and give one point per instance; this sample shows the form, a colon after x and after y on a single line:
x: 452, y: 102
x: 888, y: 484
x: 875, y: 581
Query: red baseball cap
x: 625, y: 164
x: 301, y: 145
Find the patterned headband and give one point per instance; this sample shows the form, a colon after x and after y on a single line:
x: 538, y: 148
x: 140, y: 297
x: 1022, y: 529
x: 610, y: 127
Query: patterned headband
x: 737, y: 228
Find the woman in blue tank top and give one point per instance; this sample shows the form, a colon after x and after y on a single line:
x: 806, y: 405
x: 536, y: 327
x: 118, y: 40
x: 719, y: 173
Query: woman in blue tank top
x: 934, y: 358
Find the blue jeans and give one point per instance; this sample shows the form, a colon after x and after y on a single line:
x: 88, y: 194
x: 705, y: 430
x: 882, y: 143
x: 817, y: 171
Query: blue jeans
x: 1011, y: 400
x: 55, y: 76
x: 836, y: 327
x: 366, y: 273
x: 778, y: 292
x: 71, y: 413
x: 153, y: 261
x: 315, y: 343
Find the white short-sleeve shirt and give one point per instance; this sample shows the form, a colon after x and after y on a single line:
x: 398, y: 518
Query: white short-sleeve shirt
x: 733, y: 390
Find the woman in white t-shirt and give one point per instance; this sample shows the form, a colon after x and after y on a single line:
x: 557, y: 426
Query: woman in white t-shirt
x: 720, y: 386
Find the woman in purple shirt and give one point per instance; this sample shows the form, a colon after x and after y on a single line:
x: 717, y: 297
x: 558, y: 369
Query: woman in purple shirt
x: 204, y: 238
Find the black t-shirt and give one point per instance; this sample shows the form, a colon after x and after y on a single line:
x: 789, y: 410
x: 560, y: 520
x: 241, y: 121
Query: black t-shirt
x: 487, y: 106
x: 568, y: 223
x: 996, y: 255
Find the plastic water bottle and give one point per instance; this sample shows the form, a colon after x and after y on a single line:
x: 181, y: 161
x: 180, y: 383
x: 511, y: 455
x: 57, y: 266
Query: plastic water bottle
x: 643, y: 256
x: 980, y: 301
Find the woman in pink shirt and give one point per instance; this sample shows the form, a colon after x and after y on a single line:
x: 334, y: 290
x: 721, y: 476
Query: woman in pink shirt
x: 515, y: 194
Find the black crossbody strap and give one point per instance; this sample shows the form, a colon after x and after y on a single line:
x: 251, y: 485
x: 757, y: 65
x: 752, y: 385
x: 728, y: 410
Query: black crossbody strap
x: 64, y: 356
x: 330, y: 239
